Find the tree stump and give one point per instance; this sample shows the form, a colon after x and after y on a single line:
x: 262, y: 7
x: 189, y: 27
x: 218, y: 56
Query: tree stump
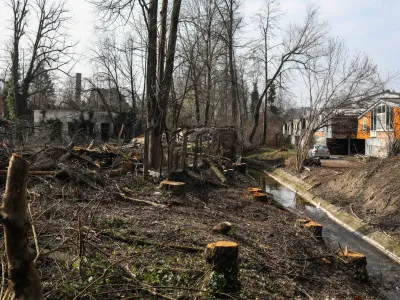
x: 175, y: 187
x: 357, y: 261
x: 222, y: 267
x: 259, y: 196
x: 311, y: 225
x: 352, y: 257
x: 252, y: 190
x: 24, y: 278
x: 314, y: 227
x: 230, y: 173
x: 241, y: 168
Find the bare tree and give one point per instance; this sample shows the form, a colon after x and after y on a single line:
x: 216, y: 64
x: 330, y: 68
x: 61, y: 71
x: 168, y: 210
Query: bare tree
x: 297, y: 47
x: 267, y: 21
x: 107, y: 57
x: 157, y: 108
x: 46, y: 46
x: 231, y: 22
x: 335, y: 80
x: 158, y: 64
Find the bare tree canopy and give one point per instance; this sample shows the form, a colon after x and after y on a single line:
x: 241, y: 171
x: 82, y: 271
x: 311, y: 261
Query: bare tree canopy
x: 46, y: 45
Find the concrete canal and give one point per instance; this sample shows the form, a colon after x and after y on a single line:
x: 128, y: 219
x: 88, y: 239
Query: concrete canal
x: 380, y: 267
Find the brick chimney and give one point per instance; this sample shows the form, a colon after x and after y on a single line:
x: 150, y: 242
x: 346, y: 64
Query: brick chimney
x: 78, y: 88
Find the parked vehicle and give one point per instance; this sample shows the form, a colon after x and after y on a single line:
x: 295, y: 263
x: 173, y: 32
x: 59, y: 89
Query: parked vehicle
x: 319, y: 151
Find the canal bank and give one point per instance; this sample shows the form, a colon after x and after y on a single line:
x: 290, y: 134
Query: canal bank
x: 380, y: 240
x: 380, y: 267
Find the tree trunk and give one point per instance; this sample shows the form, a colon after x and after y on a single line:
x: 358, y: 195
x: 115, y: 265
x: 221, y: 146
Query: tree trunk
x: 163, y: 97
x: 264, y: 138
x: 258, y: 105
x: 222, y: 265
x: 184, y: 151
x: 153, y: 110
x: 232, y: 78
x: 24, y: 278
x: 146, y: 153
x: 196, y: 95
x: 209, y: 84
x: 161, y: 44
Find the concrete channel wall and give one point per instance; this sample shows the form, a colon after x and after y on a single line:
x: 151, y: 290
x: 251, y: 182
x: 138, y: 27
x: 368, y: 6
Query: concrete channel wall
x: 387, y: 244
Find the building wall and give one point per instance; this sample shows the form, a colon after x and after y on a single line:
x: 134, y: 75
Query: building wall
x: 396, y: 121
x: 319, y: 138
x: 364, y: 134
x: 377, y: 146
x: 71, y: 116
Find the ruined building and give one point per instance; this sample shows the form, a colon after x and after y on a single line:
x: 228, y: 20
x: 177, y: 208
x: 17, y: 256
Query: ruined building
x: 101, y: 117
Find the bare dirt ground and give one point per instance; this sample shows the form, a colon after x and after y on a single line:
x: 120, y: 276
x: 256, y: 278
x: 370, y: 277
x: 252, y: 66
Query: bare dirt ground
x: 368, y: 190
x: 95, y: 242
x: 337, y: 161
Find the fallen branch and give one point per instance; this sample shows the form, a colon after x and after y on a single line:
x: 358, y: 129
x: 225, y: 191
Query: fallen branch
x: 33, y: 173
x: 147, y: 288
x: 140, y: 201
x: 212, y: 156
x: 143, y: 242
x: 351, y: 209
x: 216, y: 171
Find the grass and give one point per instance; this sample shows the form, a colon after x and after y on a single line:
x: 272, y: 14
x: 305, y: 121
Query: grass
x: 268, y: 154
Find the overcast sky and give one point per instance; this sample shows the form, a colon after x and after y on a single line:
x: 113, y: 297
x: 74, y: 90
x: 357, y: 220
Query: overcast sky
x: 371, y: 26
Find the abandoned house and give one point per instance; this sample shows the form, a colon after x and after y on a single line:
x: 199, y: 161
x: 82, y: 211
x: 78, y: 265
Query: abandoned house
x: 101, y: 117
x: 341, y: 134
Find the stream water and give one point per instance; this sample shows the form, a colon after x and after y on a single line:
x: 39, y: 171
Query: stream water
x: 380, y: 267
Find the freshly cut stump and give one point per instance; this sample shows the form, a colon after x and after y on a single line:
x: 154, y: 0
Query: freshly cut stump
x: 176, y: 187
x: 311, y: 225
x: 357, y: 261
x: 260, y: 196
x: 252, y: 190
x: 222, y: 268
x: 353, y: 257
x: 315, y: 228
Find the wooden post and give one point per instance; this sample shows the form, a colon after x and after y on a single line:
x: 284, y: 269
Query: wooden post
x: 184, y: 152
x: 146, y: 154
x: 24, y: 278
x: 222, y: 267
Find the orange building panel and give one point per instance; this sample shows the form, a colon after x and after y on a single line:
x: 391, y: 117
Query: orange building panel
x: 364, y: 126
